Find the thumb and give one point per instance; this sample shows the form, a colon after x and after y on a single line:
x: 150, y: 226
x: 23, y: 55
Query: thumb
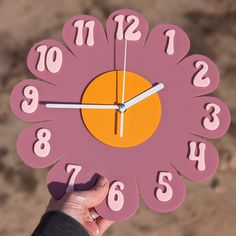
x: 96, y: 195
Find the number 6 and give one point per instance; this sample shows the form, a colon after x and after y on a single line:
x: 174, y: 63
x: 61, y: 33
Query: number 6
x: 115, y: 196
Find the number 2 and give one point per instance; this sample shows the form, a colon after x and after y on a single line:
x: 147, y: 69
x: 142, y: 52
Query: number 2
x: 130, y: 33
x: 164, y: 196
x: 199, y: 80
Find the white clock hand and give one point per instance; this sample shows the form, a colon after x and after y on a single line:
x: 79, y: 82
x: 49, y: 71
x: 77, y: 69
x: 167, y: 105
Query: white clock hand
x: 144, y: 95
x: 81, y: 106
x: 123, y: 92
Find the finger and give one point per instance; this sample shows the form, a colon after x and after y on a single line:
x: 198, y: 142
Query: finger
x: 95, y: 196
x: 103, y: 224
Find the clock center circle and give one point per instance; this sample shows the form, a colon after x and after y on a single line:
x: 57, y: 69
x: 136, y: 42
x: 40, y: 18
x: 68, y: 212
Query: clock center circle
x: 140, y: 120
x: 122, y: 107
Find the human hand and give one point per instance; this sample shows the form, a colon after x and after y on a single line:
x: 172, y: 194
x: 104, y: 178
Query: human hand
x: 80, y: 204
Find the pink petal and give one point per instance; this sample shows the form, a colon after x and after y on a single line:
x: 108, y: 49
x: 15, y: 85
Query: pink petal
x: 67, y: 176
x: 135, y: 39
x: 206, y: 116
x: 94, y: 59
x: 51, y: 61
x: 126, y: 203
x: 196, y: 75
x: 30, y: 139
x: 44, y: 93
x: 155, y: 51
x: 161, y: 186
x: 194, y: 158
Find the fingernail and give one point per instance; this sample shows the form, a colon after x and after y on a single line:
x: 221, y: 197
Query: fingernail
x: 102, y: 181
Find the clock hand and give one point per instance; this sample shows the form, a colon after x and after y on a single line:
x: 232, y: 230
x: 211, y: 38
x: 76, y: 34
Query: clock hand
x: 123, y: 92
x: 144, y: 95
x: 81, y: 106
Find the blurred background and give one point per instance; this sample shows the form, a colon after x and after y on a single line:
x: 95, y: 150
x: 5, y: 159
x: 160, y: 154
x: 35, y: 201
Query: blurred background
x: 209, y: 208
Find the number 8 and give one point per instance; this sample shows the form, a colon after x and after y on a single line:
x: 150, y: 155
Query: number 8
x: 42, y: 146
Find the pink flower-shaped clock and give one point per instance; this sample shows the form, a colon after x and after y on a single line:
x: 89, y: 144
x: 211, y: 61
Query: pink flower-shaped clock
x: 124, y: 105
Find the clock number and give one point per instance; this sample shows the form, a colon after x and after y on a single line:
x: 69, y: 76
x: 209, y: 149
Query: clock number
x: 199, y: 80
x: 115, y: 196
x: 170, y: 42
x: 130, y: 33
x: 214, y: 122
x: 76, y: 169
x: 31, y: 93
x: 51, y: 57
x: 80, y: 24
x: 200, y: 157
x: 167, y: 194
x: 42, y: 145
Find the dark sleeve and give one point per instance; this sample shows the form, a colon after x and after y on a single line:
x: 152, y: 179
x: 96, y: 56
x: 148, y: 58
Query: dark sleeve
x: 56, y: 223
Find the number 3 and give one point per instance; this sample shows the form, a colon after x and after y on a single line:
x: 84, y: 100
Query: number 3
x: 164, y: 196
x: 214, y: 122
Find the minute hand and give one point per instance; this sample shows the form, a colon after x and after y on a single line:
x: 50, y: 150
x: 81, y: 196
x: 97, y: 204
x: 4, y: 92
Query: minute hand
x: 144, y: 95
x: 81, y: 106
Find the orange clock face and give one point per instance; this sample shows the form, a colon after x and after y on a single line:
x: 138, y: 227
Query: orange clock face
x: 140, y: 120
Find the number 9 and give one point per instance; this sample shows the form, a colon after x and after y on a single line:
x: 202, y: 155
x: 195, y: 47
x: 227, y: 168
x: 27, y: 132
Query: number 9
x: 31, y: 93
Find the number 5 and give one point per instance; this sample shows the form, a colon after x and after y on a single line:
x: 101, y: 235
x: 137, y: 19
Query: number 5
x: 164, y: 196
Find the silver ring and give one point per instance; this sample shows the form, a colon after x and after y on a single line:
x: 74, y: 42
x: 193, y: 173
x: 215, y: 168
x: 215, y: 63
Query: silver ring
x: 94, y: 215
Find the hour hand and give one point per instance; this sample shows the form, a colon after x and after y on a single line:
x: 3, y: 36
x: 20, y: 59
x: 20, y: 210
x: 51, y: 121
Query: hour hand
x: 144, y: 95
x: 81, y: 106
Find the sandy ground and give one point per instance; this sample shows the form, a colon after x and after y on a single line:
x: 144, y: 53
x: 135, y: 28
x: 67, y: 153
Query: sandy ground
x: 209, y: 208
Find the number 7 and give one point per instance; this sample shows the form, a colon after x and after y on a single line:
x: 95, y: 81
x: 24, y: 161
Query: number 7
x: 76, y: 169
